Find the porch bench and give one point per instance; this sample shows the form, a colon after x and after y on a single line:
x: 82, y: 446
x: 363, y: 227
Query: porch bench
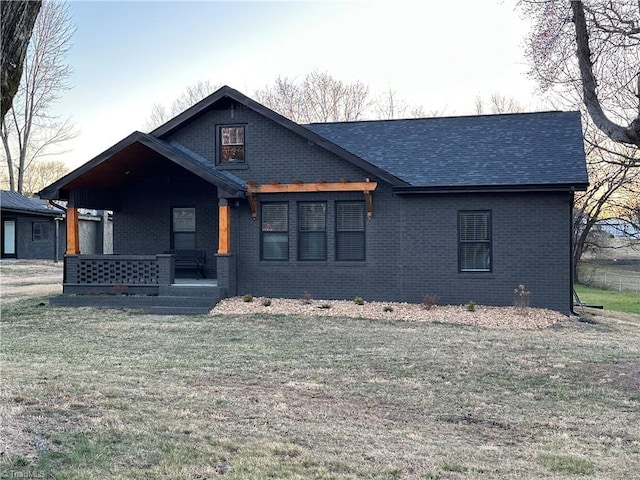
x: 189, y: 260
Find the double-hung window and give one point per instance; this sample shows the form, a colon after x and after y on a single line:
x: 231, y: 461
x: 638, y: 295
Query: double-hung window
x: 232, y: 144
x: 40, y: 231
x: 274, y: 220
x: 474, y: 241
x: 312, y: 231
x: 183, y: 228
x: 350, y: 236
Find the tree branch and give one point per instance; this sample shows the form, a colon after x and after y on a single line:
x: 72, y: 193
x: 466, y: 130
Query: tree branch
x: 618, y: 133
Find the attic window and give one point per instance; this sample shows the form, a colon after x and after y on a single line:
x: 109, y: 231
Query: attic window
x: 232, y: 144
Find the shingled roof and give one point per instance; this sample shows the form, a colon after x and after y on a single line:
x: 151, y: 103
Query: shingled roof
x: 171, y: 151
x: 544, y: 150
x: 16, y: 202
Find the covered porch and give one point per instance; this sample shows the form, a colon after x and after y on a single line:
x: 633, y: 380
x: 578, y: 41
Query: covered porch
x: 164, y: 198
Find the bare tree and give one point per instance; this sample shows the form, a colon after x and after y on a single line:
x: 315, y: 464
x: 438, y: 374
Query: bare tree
x: 18, y: 18
x: 319, y: 97
x: 592, y: 46
x: 497, y: 103
x: 614, y: 183
x: 190, y: 96
x: 389, y: 106
x: 29, y: 131
x: 43, y: 173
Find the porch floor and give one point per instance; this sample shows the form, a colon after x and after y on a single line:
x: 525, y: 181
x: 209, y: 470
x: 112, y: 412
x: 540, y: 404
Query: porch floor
x: 195, y: 282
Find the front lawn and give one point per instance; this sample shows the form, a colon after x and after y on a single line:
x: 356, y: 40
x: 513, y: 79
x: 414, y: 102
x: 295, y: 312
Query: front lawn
x: 94, y: 394
x: 610, y: 300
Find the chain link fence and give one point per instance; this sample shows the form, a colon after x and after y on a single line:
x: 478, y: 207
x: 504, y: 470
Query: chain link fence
x: 619, y: 282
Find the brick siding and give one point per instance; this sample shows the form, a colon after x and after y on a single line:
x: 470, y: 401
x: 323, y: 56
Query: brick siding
x: 411, y: 241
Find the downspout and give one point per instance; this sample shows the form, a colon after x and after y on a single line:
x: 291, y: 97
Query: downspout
x: 571, y: 266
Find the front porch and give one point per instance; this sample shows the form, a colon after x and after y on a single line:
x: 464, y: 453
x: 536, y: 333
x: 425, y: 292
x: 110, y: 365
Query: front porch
x: 144, y: 282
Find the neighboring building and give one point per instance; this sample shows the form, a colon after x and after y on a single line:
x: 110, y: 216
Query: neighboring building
x: 30, y: 228
x: 618, y: 227
x: 466, y: 208
x: 35, y: 229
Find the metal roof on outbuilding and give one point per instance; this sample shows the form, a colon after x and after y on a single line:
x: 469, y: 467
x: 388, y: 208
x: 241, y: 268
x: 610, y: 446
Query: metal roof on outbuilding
x: 16, y: 202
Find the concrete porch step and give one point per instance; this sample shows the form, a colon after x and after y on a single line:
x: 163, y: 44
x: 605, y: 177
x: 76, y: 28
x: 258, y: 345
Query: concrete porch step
x: 185, y: 302
x: 205, y: 291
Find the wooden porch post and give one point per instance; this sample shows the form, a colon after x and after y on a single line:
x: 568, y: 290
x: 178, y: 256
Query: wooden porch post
x: 224, y: 230
x: 73, y: 238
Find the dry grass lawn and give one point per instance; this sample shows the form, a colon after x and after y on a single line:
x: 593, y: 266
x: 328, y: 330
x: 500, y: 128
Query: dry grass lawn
x: 95, y: 394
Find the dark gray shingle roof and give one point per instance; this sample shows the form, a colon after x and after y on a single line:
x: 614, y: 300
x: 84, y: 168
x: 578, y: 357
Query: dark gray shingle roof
x: 201, y: 162
x: 17, y: 202
x: 492, y: 150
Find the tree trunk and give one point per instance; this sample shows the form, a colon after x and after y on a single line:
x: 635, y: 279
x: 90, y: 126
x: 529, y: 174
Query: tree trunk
x: 7, y: 152
x: 617, y: 133
x: 18, y: 18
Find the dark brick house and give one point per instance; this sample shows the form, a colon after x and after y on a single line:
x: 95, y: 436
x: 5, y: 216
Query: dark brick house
x: 466, y: 208
x: 30, y: 227
x: 33, y: 228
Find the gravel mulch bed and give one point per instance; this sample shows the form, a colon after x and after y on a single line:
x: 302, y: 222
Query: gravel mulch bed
x: 483, y: 316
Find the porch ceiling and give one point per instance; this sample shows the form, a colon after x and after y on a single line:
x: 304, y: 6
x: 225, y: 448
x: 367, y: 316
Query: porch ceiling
x: 140, y: 158
x: 124, y: 169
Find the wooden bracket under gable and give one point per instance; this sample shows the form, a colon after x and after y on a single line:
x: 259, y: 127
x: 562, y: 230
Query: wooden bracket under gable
x: 369, y: 203
x: 253, y: 203
x: 366, y: 187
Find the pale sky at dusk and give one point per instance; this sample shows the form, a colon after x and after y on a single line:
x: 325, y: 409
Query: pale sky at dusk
x: 441, y: 55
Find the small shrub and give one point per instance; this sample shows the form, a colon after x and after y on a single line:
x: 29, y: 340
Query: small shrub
x: 429, y: 300
x: 306, y: 298
x: 521, y: 297
x: 247, y: 297
x: 471, y: 306
x: 387, y: 308
x: 326, y: 306
x: 266, y: 302
x: 358, y: 301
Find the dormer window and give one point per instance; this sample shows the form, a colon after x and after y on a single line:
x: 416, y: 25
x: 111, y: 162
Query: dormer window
x: 232, y: 144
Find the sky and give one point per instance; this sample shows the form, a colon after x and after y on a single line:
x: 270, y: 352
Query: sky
x: 127, y: 56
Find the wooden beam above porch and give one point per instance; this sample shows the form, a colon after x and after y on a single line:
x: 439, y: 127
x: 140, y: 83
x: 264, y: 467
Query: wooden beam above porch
x: 254, y: 188
x: 312, y: 187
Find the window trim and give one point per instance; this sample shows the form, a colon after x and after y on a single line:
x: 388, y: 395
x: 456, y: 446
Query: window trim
x: 195, y: 225
x: 219, y: 145
x: 44, y: 228
x: 489, y: 242
x: 363, y: 231
x: 262, y: 232
x: 302, y: 233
